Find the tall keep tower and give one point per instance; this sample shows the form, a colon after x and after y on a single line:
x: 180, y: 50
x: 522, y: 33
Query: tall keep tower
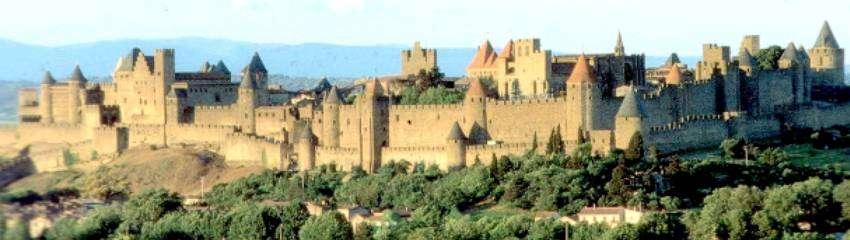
x: 372, y: 131
x: 417, y: 59
x: 751, y: 44
x: 826, y: 59
x: 583, y: 98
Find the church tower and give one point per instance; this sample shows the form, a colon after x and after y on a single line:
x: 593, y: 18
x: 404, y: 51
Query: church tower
x: 475, y: 112
x: 330, y: 118
x: 629, y: 119
x: 45, y: 101
x: 583, y: 99
x: 826, y: 59
x: 619, y: 50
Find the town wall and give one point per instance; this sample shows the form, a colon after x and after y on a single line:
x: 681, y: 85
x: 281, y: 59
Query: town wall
x: 344, y: 158
x: 518, y: 121
x: 49, y: 133
x: 241, y: 149
x: 427, y: 155
x: 691, y: 132
x: 421, y: 125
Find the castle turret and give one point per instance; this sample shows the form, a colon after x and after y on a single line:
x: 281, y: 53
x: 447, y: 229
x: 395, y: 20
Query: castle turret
x: 789, y: 58
x: 746, y: 63
x: 674, y: 76
x: 306, y: 148
x: 330, y: 118
x: 76, y: 85
x: 373, y: 133
x: 45, y: 105
x: 629, y: 119
x: 826, y: 59
x: 475, y: 111
x: 750, y: 43
x: 257, y: 70
x: 583, y: 96
x: 221, y: 68
x: 619, y: 50
x: 455, y: 148
x: 248, y: 102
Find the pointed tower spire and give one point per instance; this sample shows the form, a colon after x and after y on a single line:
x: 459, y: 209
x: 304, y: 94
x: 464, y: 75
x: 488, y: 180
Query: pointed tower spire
x: 476, y: 89
x: 674, y: 76
x: 825, y: 38
x: 48, y: 78
x: 484, y: 57
x: 455, y: 133
x: 77, y: 75
x: 256, y: 65
x: 631, y: 107
x: 508, y: 51
x: 581, y: 71
x: 672, y: 60
x: 619, y: 50
x: 221, y: 68
x: 332, y: 96
x: 790, y: 53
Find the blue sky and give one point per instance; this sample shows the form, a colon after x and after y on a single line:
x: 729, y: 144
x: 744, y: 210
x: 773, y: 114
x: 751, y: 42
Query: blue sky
x: 655, y: 27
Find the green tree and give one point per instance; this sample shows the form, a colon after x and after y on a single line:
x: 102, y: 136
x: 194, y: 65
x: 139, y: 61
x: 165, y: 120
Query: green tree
x: 768, y: 58
x: 726, y: 214
x: 635, y: 151
x: 616, y: 188
x: 773, y: 156
x: 147, y: 207
x: 841, y: 194
x: 810, y: 201
x: 661, y: 226
x: 555, y: 145
x: 326, y: 226
x: 427, y: 78
x: 546, y: 229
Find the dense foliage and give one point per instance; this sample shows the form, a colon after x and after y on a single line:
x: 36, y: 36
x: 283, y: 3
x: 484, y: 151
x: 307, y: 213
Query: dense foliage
x: 768, y: 58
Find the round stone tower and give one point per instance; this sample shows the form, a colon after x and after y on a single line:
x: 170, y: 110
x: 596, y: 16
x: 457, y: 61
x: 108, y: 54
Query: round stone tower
x: 629, y: 119
x: 45, y: 102
x: 76, y: 83
x: 475, y: 111
x: 330, y: 118
x: 455, y: 148
x: 306, y: 149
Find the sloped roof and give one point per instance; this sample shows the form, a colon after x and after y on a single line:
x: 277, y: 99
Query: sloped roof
x: 631, y: 106
x: 825, y: 38
x: 673, y: 59
x: 77, y: 75
x: 484, y: 58
x: 802, y: 53
x: 790, y: 53
x: 332, y: 96
x: 581, y: 71
x: 221, y: 68
x: 455, y: 133
x: 127, y: 62
x: 674, y: 76
x: 256, y: 64
x: 476, y: 89
x: 48, y: 78
x: 508, y: 51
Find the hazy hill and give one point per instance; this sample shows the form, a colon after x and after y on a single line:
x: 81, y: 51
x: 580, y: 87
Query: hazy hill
x: 312, y: 60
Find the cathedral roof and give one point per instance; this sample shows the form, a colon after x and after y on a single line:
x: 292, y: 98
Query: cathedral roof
x: 745, y: 59
x: 455, y: 133
x: 48, y: 78
x: 508, y: 51
x: 484, y: 58
x: 77, y: 75
x: 476, y: 89
x: 332, y: 96
x: 256, y: 64
x: 581, y: 71
x: 790, y: 53
x: 631, y: 106
x: 673, y: 59
x: 825, y: 38
x: 674, y: 76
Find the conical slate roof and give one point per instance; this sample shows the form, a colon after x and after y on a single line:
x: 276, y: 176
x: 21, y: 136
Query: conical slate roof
x: 455, y: 133
x: 581, y: 71
x: 745, y: 59
x: 476, y: 89
x: 256, y: 64
x: 221, y: 68
x: 322, y: 86
x: 801, y: 51
x: 673, y: 59
x: 674, y: 76
x: 77, y: 75
x: 48, y: 78
x: 333, y: 96
x: 631, y: 106
x: 790, y: 53
x: 825, y: 38
x: 485, y: 57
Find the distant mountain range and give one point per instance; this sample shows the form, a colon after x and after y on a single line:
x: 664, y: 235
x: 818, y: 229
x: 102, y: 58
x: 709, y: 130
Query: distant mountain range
x: 24, y: 62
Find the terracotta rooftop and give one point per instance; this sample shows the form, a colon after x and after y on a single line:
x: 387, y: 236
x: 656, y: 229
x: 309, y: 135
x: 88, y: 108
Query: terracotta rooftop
x: 484, y: 58
x: 581, y: 71
x: 508, y: 51
x: 674, y: 76
x: 476, y: 89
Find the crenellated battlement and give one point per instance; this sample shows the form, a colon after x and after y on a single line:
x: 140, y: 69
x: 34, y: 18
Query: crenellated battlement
x: 427, y: 107
x: 525, y: 101
x: 684, y: 122
x: 239, y: 136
